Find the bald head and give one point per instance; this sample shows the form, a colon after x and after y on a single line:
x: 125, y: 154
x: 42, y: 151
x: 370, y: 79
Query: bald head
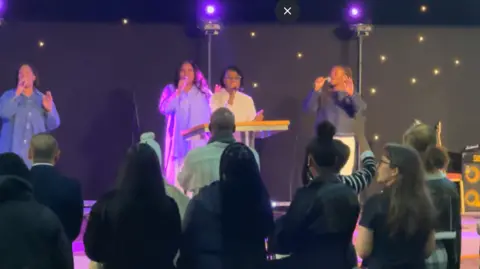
x: 43, y: 149
x: 222, y: 119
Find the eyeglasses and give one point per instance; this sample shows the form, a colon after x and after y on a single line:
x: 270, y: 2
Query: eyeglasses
x: 234, y: 78
x: 383, y: 161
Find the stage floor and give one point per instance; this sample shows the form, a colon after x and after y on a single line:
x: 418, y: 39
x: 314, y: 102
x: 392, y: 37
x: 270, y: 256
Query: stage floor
x: 470, y: 246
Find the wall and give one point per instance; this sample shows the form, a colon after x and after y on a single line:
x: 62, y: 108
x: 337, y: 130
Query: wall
x: 95, y: 70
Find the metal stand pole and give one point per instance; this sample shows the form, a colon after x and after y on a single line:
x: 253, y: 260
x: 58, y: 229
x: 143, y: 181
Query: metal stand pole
x: 209, y: 60
x: 360, y: 63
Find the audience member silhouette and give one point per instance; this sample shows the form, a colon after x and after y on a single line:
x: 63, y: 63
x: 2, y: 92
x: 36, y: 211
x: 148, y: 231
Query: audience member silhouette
x: 63, y: 195
x: 227, y: 222
x: 201, y: 165
x: 136, y: 225
x: 396, y: 229
x: 444, y: 194
x: 31, y: 236
x: 180, y: 198
x: 318, y: 227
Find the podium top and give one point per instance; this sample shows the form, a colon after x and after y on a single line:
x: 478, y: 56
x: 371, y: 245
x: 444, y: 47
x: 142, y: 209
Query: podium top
x: 251, y: 126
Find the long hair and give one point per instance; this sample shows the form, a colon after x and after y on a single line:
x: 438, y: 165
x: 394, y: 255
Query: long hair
x: 141, y: 176
x: 234, y: 69
x: 198, y: 80
x: 423, y: 138
x: 246, y: 216
x: 411, y: 208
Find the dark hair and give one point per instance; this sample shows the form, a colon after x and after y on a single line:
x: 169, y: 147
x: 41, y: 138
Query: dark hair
x: 411, y: 208
x: 245, y: 218
x: 196, y: 69
x: 423, y: 138
x: 343, y: 153
x: 12, y: 164
x: 234, y: 69
x: 141, y: 175
x: 36, y: 82
x: 321, y: 148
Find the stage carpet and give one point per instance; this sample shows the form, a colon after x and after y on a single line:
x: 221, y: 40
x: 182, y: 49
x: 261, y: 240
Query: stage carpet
x: 470, y: 246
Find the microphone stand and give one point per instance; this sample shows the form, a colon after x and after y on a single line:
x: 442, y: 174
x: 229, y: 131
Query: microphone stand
x: 136, y: 132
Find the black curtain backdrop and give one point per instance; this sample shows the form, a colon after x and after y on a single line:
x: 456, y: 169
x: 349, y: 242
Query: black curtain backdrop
x: 94, y: 70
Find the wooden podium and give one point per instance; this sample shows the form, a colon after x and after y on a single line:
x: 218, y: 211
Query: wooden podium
x: 248, y: 130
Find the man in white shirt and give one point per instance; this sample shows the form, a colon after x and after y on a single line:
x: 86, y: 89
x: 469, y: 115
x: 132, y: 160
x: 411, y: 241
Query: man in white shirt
x: 228, y: 95
x: 202, y: 165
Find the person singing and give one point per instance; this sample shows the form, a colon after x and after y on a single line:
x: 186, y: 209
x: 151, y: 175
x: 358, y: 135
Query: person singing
x: 338, y: 103
x: 229, y: 94
x: 25, y: 112
x: 185, y: 104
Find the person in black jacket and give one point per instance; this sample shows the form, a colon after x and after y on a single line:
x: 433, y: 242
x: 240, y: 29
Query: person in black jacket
x: 444, y: 194
x: 318, y: 227
x: 63, y: 195
x: 31, y: 236
x: 137, y: 225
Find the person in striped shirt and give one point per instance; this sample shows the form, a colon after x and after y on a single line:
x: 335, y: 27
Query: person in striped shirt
x: 361, y: 178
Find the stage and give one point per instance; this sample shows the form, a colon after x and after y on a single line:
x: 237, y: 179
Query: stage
x: 470, y: 243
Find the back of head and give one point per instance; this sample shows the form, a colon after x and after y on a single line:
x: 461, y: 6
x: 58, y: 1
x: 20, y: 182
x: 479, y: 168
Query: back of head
x: 423, y: 138
x: 246, y: 208
x: 411, y: 208
x: 222, y: 120
x: 322, y: 148
x: 43, y: 148
x: 11, y: 164
x: 141, y: 177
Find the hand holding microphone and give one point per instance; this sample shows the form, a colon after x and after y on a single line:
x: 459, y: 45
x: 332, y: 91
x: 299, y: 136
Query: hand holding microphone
x: 20, y: 87
x: 319, y: 82
x: 181, y: 85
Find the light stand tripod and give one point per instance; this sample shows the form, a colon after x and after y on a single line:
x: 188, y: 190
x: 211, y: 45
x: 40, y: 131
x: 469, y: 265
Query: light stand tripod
x: 211, y: 28
x: 362, y: 31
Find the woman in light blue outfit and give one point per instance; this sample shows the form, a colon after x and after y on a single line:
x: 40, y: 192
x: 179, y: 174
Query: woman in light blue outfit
x: 185, y: 103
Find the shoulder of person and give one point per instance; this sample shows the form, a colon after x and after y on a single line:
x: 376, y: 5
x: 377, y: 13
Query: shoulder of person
x: 48, y: 220
x: 10, y: 92
x: 169, y: 88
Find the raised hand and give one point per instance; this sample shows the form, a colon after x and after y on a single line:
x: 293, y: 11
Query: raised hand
x: 47, y: 101
x: 349, y: 86
x: 259, y: 116
x: 318, y: 84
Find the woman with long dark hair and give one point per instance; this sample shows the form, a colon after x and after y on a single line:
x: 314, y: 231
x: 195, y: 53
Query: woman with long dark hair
x: 444, y: 193
x: 227, y: 222
x: 136, y: 225
x: 401, y: 217
x: 318, y: 227
x: 185, y: 103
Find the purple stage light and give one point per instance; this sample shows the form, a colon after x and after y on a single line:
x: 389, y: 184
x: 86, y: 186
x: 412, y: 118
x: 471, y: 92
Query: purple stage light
x: 354, y: 12
x: 210, y: 9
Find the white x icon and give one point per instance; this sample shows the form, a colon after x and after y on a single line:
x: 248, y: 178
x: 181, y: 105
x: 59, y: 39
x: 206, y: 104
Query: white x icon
x: 287, y: 11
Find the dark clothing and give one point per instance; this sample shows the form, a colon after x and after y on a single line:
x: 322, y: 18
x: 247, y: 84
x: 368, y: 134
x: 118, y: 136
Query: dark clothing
x: 203, y: 243
x: 129, y: 232
x: 447, y: 201
x: 336, y: 107
x: 318, y: 227
x: 393, y: 252
x: 31, y: 236
x: 61, y: 194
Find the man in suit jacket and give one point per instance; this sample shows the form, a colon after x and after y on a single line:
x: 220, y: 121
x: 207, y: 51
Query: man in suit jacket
x: 63, y: 195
